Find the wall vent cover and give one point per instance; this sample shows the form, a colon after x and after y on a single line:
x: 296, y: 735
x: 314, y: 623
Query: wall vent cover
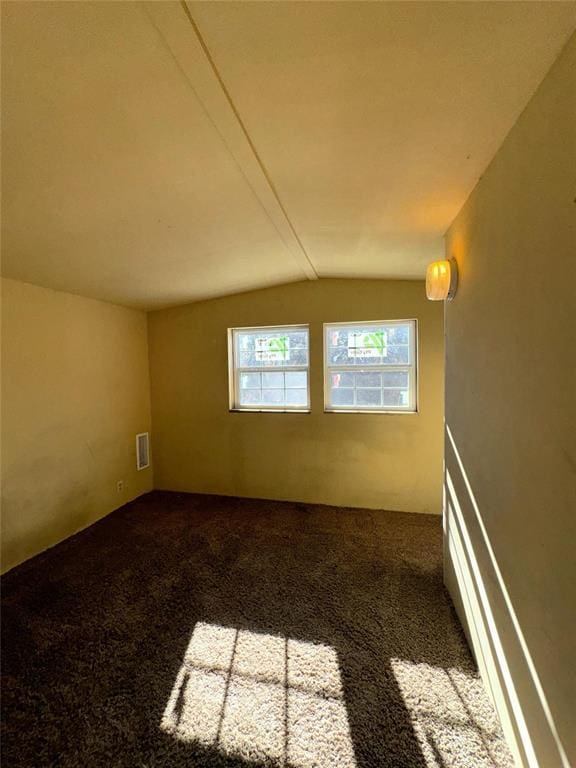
x: 142, y: 450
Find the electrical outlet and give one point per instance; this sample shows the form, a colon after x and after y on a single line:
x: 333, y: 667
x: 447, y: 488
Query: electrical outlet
x: 120, y: 486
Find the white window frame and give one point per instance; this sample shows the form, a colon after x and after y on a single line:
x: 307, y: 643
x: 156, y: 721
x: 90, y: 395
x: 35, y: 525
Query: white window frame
x: 234, y: 371
x: 411, y: 367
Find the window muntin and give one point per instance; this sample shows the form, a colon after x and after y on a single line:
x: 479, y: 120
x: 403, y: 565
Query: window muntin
x: 269, y: 368
x: 370, y: 366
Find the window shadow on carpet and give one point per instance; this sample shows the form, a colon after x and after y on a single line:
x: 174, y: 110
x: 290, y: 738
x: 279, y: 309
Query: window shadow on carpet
x: 262, y: 697
x: 187, y: 630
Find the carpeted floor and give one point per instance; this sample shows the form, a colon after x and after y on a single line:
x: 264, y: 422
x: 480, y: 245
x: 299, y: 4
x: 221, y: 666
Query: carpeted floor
x: 187, y: 630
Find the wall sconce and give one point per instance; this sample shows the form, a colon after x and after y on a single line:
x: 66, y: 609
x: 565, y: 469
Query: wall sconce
x: 441, y: 280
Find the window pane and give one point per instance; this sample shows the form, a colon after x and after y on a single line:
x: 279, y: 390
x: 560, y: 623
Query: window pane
x: 273, y: 380
x: 398, y: 334
x: 298, y: 339
x: 250, y: 397
x: 342, y: 379
x: 397, y: 354
x: 296, y: 397
x: 338, y: 337
x: 396, y: 397
x: 298, y: 356
x: 369, y: 397
x: 369, y: 380
x: 273, y: 396
x: 395, y: 379
x: 342, y: 397
x: 250, y: 381
x: 247, y: 360
x: 339, y: 355
x: 296, y: 379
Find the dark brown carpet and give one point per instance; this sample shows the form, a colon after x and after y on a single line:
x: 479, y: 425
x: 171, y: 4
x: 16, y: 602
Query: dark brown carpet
x: 373, y: 666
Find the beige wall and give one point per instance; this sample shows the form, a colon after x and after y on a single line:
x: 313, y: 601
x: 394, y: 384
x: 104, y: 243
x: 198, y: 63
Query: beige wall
x: 75, y: 391
x: 380, y: 461
x: 510, y: 406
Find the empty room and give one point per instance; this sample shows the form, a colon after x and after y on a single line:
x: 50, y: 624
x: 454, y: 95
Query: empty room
x: 288, y: 418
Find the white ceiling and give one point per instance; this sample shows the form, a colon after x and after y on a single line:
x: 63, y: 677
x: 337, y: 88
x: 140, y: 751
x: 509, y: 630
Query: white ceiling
x: 158, y: 153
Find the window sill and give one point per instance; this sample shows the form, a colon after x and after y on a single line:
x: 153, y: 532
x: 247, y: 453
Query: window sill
x: 268, y: 410
x: 378, y: 412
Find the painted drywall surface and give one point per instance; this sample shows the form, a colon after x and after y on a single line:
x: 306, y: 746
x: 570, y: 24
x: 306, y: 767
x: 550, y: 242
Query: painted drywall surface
x: 391, y: 461
x: 510, y: 384
x: 75, y: 392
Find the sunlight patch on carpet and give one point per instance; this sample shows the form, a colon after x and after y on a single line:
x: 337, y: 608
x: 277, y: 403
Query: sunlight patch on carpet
x: 454, y: 722
x: 262, y: 698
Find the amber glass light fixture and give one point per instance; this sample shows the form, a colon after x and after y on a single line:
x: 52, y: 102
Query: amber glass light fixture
x: 441, y: 280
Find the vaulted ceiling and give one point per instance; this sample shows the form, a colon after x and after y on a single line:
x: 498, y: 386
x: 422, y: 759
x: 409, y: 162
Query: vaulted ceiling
x: 163, y: 152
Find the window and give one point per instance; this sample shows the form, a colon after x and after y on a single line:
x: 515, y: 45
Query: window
x: 370, y: 366
x: 269, y: 368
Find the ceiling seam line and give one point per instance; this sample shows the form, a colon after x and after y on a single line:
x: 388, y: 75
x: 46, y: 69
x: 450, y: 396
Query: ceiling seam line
x: 234, y: 159
x: 244, y: 130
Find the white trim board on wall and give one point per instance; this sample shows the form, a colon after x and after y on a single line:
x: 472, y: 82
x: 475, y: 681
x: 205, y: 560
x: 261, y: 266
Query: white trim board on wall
x: 474, y: 580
